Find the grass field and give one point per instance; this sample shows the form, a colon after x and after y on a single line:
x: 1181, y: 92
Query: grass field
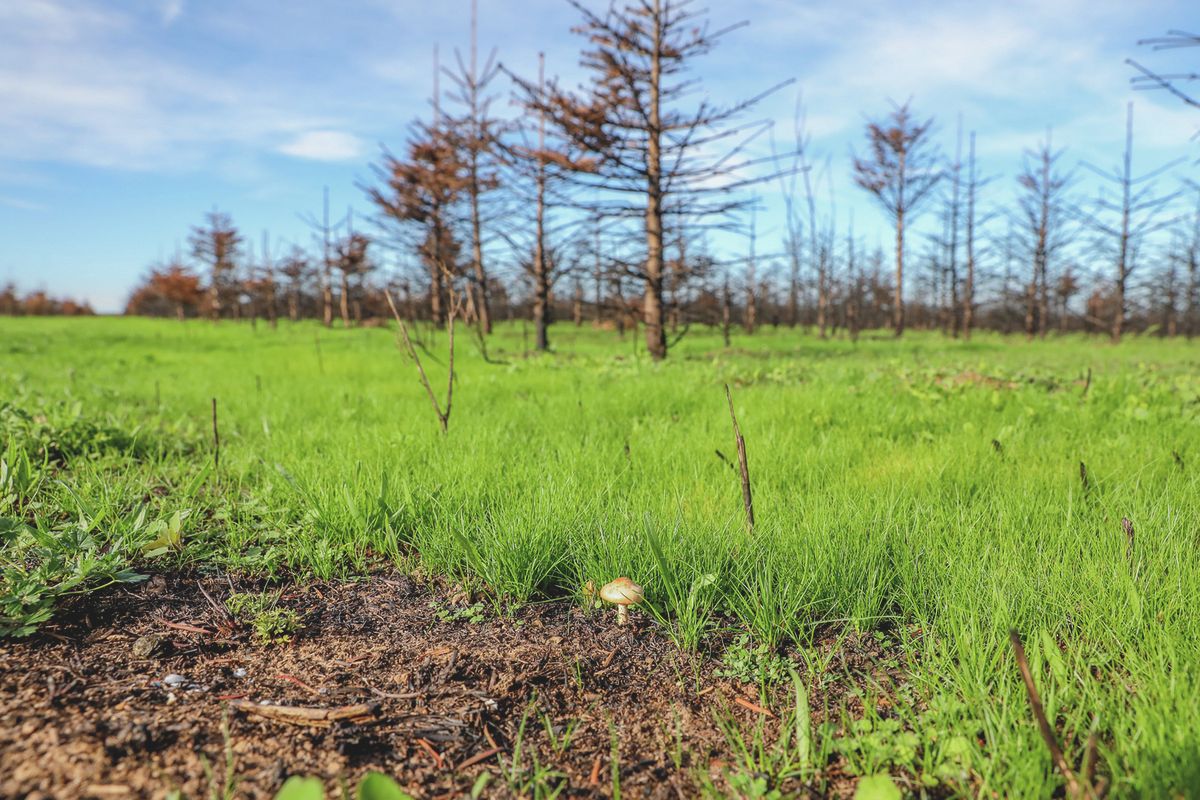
x: 929, y: 489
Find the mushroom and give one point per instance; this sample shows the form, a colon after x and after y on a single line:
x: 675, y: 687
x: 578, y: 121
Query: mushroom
x: 623, y: 593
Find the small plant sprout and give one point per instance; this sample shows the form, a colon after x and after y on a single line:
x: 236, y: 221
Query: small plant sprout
x: 622, y: 593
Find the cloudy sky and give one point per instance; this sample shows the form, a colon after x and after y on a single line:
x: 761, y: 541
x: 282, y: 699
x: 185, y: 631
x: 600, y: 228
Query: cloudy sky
x: 122, y: 122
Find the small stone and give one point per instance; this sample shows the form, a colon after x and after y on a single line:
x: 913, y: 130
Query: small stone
x: 174, y: 680
x: 147, y: 646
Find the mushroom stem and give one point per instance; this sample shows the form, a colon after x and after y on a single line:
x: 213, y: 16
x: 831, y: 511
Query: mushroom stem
x: 622, y: 614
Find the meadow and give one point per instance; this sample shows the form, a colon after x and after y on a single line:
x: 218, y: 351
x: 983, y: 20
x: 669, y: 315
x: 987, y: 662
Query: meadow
x: 938, y: 492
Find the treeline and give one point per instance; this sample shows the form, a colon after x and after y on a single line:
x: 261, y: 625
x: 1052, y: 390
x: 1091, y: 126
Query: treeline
x: 39, y: 304
x: 616, y: 203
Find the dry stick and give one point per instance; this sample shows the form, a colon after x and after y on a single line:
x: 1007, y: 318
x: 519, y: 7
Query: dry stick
x: 216, y: 437
x: 743, y: 466
x: 313, y: 717
x: 1087, y: 384
x: 443, y: 418
x: 1039, y: 713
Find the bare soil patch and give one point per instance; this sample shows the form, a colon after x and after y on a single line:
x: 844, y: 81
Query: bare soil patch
x: 125, y: 694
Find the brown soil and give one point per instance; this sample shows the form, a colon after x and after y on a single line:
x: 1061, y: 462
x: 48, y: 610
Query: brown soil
x: 85, y: 716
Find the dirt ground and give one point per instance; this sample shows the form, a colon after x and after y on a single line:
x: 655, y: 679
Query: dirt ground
x: 137, y: 691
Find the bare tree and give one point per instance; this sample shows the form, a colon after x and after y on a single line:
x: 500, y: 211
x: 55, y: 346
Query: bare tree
x: 1127, y: 220
x: 901, y: 173
x: 1191, y: 324
x: 297, y: 269
x: 476, y: 134
x: 218, y: 245
x: 1148, y: 79
x: 646, y: 143
x: 417, y: 195
x: 968, y: 298
x: 1043, y: 216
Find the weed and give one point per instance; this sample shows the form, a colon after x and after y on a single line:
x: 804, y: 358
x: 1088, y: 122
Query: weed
x: 473, y: 614
x: 748, y: 662
x: 272, y: 623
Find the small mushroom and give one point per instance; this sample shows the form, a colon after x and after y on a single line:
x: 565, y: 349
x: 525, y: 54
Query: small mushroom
x: 623, y: 593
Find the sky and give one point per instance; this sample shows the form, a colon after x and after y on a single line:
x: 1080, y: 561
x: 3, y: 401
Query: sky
x: 123, y: 121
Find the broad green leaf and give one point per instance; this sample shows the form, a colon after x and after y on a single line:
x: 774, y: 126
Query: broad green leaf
x: 877, y: 787
x: 377, y: 786
x: 298, y: 788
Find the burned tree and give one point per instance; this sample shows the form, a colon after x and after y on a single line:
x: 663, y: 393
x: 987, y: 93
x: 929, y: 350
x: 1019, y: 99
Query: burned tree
x: 1043, y: 225
x: 217, y: 244
x: 1125, y: 221
x: 296, y: 268
x: 900, y: 173
x: 1170, y: 82
x: 476, y: 135
x: 646, y: 142
x: 418, y: 195
x: 544, y: 166
x: 971, y: 223
x: 352, y: 261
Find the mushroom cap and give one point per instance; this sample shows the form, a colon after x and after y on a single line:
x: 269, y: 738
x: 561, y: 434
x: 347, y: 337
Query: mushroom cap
x: 622, y: 592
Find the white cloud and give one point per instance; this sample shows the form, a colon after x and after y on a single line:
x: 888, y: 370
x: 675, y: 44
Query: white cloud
x: 171, y: 10
x: 324, y: 145
x: 21, y: 205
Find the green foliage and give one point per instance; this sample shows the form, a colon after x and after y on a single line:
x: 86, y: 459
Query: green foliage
x: 764, y: 760
x: 373, y: 786
x: 39, y: 567
x: 881, y: 503
x: 472, y: 614
x: 877, y: 787
x: 272, y: 623
x: 300, y: 788
x: 753, y: 663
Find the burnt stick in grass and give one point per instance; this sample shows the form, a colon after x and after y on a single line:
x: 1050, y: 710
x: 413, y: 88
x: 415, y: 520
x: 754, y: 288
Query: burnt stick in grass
x: 743, y: 466
x: 442, y: 416
x: 1083, y: 477
x: 1074, y: 788
x: 216, y: 437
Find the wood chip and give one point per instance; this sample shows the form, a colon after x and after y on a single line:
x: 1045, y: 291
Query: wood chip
x: 478, y: 757
x: 757, y: 709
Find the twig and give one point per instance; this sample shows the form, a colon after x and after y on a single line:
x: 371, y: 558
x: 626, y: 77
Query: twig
x: 757, y: 709
x: 1087, y: 384
x: 180, y: 626
x: 443, y: 416
x: 437, y: 757
x: 216, y: 437
x: 312, y: 717
x: 744, y: 467
x: 1056, y: 754
x: 293, y: 679
x: 222, y: 611
x: 478, y: 757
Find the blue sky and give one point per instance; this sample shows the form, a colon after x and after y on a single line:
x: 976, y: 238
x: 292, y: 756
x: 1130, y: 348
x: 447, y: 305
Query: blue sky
x: 121, y: 123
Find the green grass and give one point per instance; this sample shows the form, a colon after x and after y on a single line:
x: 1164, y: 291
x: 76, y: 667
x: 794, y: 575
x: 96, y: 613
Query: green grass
x: 879, y: 493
